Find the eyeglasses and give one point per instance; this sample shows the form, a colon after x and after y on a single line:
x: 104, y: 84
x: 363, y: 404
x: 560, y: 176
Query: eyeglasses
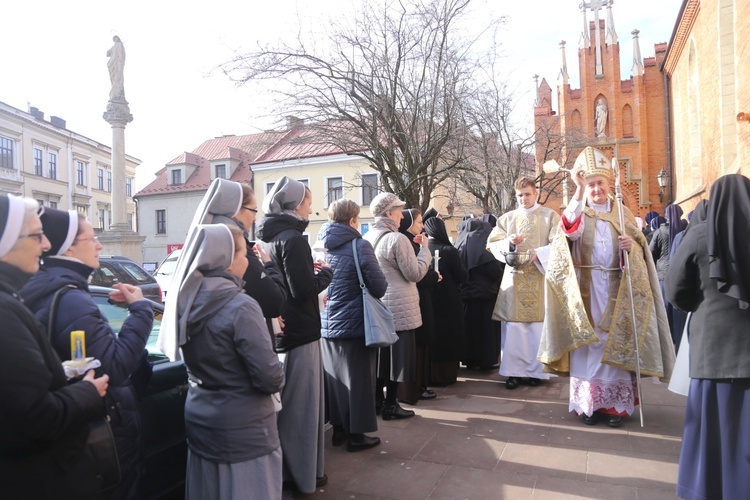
x: 95, y: 239
x: 38, y: 236
x: 253, y: 210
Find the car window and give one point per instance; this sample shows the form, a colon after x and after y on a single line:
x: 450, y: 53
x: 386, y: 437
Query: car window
x: 136, y: 272
x: 116, y: 313
x: 104, y: 276
x: 169, y: 265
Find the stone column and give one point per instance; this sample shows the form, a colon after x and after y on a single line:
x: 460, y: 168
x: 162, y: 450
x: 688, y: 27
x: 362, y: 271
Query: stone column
x: 119, y: 239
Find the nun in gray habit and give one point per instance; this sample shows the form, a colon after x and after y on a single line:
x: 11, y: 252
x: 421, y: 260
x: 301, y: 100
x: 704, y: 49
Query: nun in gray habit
x: 230, y: 420
x: 221, y: 202
x: 302, y: 416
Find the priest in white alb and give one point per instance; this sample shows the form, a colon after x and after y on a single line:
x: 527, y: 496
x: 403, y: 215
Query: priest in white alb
x: 519, y: 304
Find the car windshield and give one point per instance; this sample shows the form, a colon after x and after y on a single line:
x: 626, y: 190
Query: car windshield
x: 117, y: 312
x: 167, y: 267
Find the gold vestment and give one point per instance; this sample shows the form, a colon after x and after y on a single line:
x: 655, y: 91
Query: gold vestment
x: 567, y: 323
x: 520, y: 296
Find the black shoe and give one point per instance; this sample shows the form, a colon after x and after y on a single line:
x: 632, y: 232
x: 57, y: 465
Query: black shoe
x: 339, y: 435
x: 428, y: 394
x: 511, y: 383
x: 395, y: 412
x: 378, y: 407
x: 359, y: 442
x: 321, y: 481
x: 592, y: 420
x: 534, y: 382
x: 614, y: 421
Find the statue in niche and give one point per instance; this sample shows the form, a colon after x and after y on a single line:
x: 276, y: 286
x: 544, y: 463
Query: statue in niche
x: 601, y: 118
x: 116, y: 67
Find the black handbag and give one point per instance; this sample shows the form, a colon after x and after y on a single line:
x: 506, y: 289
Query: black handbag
x: 379, y: 327
x: 100, y: 444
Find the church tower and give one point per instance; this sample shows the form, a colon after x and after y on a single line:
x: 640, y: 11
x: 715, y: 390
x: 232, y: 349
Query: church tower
x: 623, y: 117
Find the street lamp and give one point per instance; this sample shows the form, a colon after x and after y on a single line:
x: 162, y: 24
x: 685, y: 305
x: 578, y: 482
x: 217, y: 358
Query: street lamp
x: 450, y: 208
x: 662, y: 178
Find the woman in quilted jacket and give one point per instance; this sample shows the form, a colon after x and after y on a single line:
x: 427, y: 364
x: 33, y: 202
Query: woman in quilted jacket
x: 402, y: 270
x: 349, y: 364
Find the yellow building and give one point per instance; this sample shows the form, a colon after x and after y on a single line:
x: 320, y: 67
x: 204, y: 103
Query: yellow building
x: 707, y: 67
x: 59, y: 168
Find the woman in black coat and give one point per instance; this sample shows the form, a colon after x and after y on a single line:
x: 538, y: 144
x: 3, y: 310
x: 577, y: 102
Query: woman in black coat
x: 449, y: 346
x: 479, y: 294
x: 74, y: 255
x: 710, y: 276
x: 302, y: 417
x: 43, y: 418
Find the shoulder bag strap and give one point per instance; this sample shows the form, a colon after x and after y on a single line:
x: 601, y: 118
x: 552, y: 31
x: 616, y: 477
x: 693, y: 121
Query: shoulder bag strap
x: 356, y: 263
x: 53, y: 309
x: 377, y: 240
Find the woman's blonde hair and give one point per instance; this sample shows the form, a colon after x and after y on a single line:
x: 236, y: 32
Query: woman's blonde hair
x: 342, y: 211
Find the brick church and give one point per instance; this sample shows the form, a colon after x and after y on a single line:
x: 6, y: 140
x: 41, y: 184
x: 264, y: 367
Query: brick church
x: 627, y: 117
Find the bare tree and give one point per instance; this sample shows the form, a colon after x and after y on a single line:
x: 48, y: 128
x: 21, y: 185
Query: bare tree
x: 387, y: 88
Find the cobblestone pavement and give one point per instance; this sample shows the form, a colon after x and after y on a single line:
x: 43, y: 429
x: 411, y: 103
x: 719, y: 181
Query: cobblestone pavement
x: 479, y: 440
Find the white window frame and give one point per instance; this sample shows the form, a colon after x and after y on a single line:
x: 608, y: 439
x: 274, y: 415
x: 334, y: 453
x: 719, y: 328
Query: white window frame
x: 362, y: 188
x: 80, y: 173
x: 327, y: 180
x: 52, y: 173
x: 38, y: 161
x: 13, y: 153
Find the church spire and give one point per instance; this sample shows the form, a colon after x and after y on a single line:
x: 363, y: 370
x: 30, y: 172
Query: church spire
x: 637, y: 68
x: 585, y: 40
x: 536, y: 90
x: 611, y: 35
x: 564, y: 68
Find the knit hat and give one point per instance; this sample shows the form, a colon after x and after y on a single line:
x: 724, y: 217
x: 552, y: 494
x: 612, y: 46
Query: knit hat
x: 286, y: 194
x: 11, y: 222
x: 61, y: 228
x: 384, y: 202
x: 593, y: 163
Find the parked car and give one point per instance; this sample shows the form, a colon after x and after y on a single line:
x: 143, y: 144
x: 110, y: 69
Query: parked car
x: 161, y: 408
x: 117, y: 269
x: 165, y: 271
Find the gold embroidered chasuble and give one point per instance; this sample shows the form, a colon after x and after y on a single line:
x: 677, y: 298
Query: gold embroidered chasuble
x: 520, y: 296
x: 568, y: 324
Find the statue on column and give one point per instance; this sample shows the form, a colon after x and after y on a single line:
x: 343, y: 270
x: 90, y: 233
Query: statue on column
x: 601, y: 118
x: 116, y: 67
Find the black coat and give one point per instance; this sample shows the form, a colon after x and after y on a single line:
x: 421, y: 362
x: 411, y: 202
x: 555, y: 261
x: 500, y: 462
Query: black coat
x: 447, y: 305
x: 718, y: 331
x: 659, y: 246
x: 120, y: 354
x: 43, y: 419
x: 289, y: 249
x: 265, y: 284
x: 483, y: 283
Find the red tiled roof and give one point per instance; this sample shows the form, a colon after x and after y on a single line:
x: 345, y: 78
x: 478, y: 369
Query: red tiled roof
x: 272, y: 146
x: 245, y: 148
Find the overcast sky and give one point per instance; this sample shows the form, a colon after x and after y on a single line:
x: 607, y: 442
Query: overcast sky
x: 54, y: 58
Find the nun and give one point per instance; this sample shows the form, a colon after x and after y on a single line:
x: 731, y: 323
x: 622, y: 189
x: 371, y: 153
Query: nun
x: 43, y: 418
x: 72, y: 257
x: 230, y: 417
x: 709, y: 276
x: 287, y: 208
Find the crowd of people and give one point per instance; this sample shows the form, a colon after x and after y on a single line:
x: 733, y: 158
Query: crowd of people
x: 273, y: 336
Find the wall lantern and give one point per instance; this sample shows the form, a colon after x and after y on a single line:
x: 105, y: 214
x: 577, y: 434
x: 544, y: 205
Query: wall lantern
x: 662, y: 178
